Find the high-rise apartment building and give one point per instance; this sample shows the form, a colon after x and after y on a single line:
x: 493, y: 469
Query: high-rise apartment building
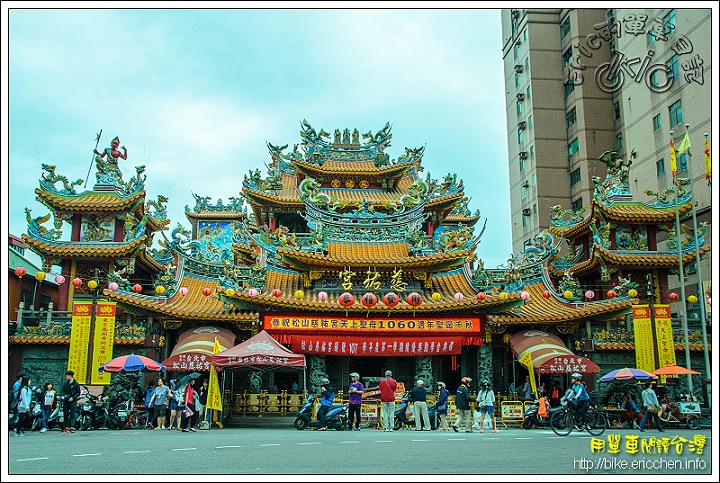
x: 579, y: 82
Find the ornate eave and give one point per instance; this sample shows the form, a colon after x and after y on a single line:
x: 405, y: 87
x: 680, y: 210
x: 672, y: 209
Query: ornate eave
x: 553, y: 310
x: 65, y: 339
x: 646, y: 259
x: 90, y: 201
x: 194, y: 305
x: 85, y: 249
x: 465, y: 220
x: 214, y: 215
x: 353, y: 168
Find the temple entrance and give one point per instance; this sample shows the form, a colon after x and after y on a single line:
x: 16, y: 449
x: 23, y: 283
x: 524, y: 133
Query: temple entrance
x: 369, y: 367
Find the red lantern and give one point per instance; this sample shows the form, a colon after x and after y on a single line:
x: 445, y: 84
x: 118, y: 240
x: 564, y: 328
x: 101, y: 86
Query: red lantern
x: 206, y: 291
x: 346, y: 299
x: 611, y: 294
x: 276, y: 292
x: 369, y: 299
x: 391, y: 299
x: 20, y: 272
x: 414, y: 299
x: 77, y: 282
x: 546, y: 294
x: 673, y: 296
x: 481, y: 296
x: 137, y: 288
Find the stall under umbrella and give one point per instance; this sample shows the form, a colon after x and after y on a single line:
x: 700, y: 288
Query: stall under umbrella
x: 132, y: 363
x: 628, y: 374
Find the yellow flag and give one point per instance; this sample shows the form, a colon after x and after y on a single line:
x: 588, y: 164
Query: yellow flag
x: 526, y: 360
x: 708, y: 167
x: 214, y: 400
x: 673, y: 159
x: 685, y: 144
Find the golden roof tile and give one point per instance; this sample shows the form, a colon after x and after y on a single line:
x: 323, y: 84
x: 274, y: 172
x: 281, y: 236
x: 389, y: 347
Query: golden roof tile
x: 353, y: 168
x: 194, y: 305
x: 539, y: 309
x: 81, y: 249
x: 646, y: 259
x: 91, y: 201
x: 65, y: 339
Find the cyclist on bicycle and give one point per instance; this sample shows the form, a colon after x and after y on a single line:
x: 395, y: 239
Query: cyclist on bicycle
x: 578, y: 397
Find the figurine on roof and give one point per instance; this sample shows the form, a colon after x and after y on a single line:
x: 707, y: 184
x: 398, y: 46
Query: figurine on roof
x: 109, y: 169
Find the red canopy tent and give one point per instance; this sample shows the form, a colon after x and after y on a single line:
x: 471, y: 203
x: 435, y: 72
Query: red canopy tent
x: 194, y: 348
x: 259, y: 353
x: 549, y: 354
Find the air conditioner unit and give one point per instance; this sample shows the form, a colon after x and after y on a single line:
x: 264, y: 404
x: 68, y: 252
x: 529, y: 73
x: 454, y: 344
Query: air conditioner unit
x: 518, y: 42
x: 521, y: 125
x: 526, y: 211
x: 525, y: 184
x: 516, y: 13
x: 523, y: 154
x: 518, y: 67
x: 520, y: 96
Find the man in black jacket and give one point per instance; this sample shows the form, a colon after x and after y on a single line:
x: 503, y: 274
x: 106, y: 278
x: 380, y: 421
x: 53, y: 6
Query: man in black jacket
x: 462, y: 404
x: 70, y: 392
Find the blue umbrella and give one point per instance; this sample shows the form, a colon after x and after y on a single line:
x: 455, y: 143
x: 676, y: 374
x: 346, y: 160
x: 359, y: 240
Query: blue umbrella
x: 131, y: 363
x: 628, y: 374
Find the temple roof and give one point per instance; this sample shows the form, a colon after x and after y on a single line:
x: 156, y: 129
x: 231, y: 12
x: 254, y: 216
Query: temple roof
x: 84, y: 249
x: 554, y: 310
x: 91, y: 201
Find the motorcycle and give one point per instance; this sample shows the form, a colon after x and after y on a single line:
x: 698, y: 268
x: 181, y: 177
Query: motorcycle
x: 401, y: 419
x: 336, y: 417
x: 94, y: 413
x: 534, y: 419
x: 122, y: 415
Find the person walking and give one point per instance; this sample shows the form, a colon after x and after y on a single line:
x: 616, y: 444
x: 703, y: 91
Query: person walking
x: 649, y: 398
x: 327, y: 397
x: 356, y: 390
x: 527, y: 392
x: 24, y: 398
x: 202, y: 401
x: 189, y: 414
x: 419, y: 398
x: 387, y: 387
x: 48, y: 400
x: 71, y: 393
x: 486, y: 403
x: 555, y: 395
x: 174, y: 403
x: 159, y: 400
x: 442, y: 406
x: 462, y: 403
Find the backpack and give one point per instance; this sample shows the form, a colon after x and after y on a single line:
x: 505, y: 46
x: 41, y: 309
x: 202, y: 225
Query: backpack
x: 555, y: 394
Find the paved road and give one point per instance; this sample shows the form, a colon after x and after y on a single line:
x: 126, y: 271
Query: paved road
x: 287, y: 451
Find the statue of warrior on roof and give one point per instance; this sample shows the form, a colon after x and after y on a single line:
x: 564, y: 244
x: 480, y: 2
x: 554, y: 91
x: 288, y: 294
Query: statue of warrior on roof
x: 109, y: 169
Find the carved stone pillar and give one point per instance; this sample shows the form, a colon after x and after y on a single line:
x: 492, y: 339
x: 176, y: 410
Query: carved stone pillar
x: 423, y: 370
x: 485, y: 364
x: 317, y: 370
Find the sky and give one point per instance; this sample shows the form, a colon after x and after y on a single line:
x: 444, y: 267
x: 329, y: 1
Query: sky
x: 195, y: 94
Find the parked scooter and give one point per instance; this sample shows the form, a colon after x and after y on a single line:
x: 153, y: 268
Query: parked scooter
x: 336, y: 417
x: 534, y: 417
x: 122, y: 414
x: 402, y: 420
x: 94, y: 412
x: 55, y: 418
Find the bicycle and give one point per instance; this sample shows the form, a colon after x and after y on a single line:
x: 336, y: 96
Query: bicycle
x: 563, y: 421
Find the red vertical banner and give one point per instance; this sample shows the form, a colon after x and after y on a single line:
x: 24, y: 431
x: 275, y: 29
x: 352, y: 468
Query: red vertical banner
x: 80, y: 340
x: 664, y: 336
x: 644, y: 340
x: 103, y: 341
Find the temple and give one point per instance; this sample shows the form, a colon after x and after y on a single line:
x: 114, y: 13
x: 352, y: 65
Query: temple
x: 360, y: 262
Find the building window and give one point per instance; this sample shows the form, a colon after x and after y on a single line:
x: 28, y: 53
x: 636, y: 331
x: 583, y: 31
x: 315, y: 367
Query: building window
x: 619, y: 141
x: 525, y: 34
x: 575, y: 177
x: 532, y: 151
x: 535, y: 209
x: 517, y: 51
x: 569, y: 87
x: 527, y: 64
x: 676, y: 113
x: 573, y: 147
x: 660, y: 167
x: 613, y: 48
x: 528, y: 93
x: 672, y: 67
x: 682, y: 162
x: 521, y: 136
x: 522, y: 164
x: 525, y: 221
x: 530, y: 120
x: 518, y: 80
x: 617, y: 109
x: 519, y: 107
x: 577, y: 204
x: 524, y: 191
x: 656, y: 123
x: 533, y: 179
x: 567, y: 57
x: 565, y: 28
x: 571, y: 117
x: 669, y: 22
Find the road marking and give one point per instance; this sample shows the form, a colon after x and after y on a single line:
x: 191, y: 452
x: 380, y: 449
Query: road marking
x: 270, y: 444
x: 348, y: 442
x: 384, y: 441
x: 419, y: 440
x: 230, y: 446
x: 34, y: 459
x: 457, y: 439
x: 133, y: 452
x: 183, y: 449
x: 524, y: 438
x: 88, y: 454
x: 316, y: 442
